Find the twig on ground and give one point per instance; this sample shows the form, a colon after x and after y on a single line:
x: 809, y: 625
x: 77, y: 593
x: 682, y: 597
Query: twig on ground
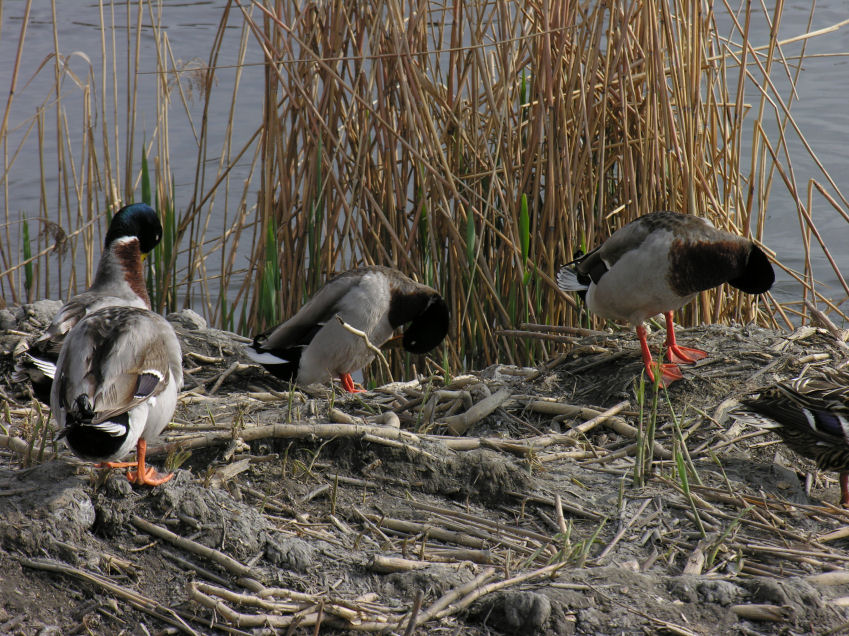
x: 536, y: 335
x: 428, y: 529
x: 477, y: 593
x: 227, y: 562
x: 459, y: 424
x: 139, y: 601
x: 449, y: 597
x: 578, y: 331
x: 838, y: 334
x: 386, y: 565
x: 417, y: 605
x: 622, y: 531
x: 286, y: 431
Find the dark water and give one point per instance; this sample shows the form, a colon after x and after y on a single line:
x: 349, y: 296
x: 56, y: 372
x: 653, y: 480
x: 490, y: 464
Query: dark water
x: 819, y: 108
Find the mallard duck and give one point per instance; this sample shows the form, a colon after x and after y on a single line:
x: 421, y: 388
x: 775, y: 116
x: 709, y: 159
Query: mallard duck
x: 658, y: 263
x: 116, y: 386
x: 811, y: 415
x: 313, y: 346
x: 133, y: 232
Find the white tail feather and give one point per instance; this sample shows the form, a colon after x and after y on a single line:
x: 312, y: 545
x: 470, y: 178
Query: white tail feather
x: 263, y: 357
x: 753, y: 419
x: 45, y: 366
x: 567, y: 280
x: 115, y: 429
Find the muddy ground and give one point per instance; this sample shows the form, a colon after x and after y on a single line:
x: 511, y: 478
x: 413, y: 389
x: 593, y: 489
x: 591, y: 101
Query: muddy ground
x: 430, y: 506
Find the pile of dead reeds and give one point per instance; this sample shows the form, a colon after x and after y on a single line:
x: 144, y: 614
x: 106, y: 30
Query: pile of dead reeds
x: 473, y: 145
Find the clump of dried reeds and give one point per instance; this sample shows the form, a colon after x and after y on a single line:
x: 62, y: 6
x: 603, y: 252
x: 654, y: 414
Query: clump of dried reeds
x: 475, y: 146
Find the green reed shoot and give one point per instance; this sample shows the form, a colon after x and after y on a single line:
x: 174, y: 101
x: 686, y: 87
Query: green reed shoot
x: 640, y: 455
x: 176, y: 457
x: 525, y: 237
x: 679, y: 436
x: 169, y: 251
x: 684, y: 481
x: 732, y: 527
x: 154, y: 270
x: 588, y: 544
x: 27, y: 255
x: 644, y: 464
x: 270, y: 278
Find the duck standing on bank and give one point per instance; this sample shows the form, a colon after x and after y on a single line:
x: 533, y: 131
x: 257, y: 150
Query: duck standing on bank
x: 313, y: 346
x: 116, y: 386
x: 657, y: 264
x: 811, y: 415
x: 133, y: 232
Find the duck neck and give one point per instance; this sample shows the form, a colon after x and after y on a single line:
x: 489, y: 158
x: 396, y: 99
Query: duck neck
x: 123, y: 262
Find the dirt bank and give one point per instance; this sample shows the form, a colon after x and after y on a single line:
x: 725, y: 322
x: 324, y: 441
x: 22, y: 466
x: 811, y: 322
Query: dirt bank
x: 366, y: 512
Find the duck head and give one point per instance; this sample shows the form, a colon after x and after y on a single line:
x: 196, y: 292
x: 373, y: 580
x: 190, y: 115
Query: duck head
x: 758, y: 275
x: 427, y: 313
x: 137, y: 220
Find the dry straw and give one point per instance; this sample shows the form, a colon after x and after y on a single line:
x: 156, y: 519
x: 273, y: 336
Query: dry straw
x: 473, y: 145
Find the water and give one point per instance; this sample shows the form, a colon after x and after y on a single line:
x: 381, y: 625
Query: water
x: 823, y: 120
x: 190, y: 28
x: 820, y: 112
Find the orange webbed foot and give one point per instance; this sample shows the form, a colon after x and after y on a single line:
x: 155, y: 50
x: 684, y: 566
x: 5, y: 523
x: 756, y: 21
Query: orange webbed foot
x: 669, y: 373
x: 676, y: 354
x: 684, y: 355
x: 116, y: 465
x: 148, y: 477
x: 142, y: 475
x: 348, y: 383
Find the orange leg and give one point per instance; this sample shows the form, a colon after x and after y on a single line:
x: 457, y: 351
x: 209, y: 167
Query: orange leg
x: 348, y: 383
x: 681, y: 355
x: 669, y: 372
x: 143, y: 475
x: 844, y: 489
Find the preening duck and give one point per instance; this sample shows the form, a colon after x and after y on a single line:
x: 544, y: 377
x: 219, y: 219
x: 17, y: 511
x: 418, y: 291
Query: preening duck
x: 811, y: 415
x: 116, y: 386
x: 657, y: 264
x: 134, y: 231
x: 313, y: 346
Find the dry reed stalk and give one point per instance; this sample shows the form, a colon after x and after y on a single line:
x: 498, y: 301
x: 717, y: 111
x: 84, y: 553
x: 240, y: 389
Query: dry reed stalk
x: 136, y: 600
x: 474, y: 146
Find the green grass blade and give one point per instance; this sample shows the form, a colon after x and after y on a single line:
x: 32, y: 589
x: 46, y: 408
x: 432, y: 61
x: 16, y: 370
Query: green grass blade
x: 145, y: 179
x: 27, y: 253
x: 524, y: 230
x: 470, y: 239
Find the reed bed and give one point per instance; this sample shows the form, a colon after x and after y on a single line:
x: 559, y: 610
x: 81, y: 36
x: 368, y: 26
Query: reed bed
x: 473, y: 145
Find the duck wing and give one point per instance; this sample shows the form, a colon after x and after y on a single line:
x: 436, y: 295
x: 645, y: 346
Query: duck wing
x: 300, y: 329
x: 117, y: 358
x: 811, y: 415
x: 75, y: 310
x: 590, y: 267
